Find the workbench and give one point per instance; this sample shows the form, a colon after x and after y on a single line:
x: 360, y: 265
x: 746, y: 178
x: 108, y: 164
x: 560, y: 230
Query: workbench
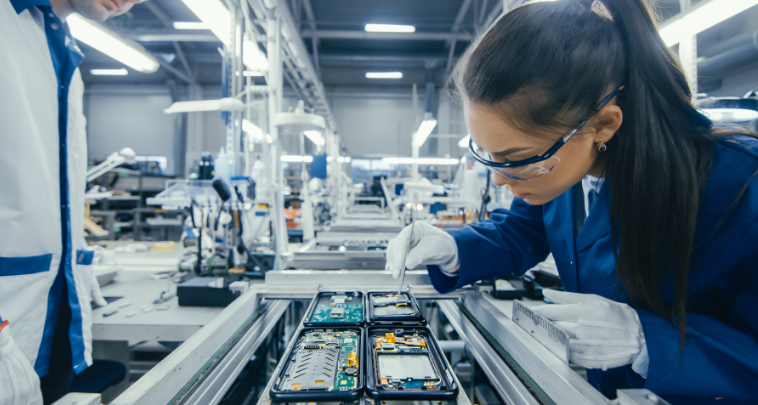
x: 522, y: 371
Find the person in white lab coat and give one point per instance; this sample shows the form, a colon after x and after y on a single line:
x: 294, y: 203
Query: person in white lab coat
x: 45, y: 284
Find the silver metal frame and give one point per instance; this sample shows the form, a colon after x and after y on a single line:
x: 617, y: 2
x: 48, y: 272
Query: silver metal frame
x: 185, y: 370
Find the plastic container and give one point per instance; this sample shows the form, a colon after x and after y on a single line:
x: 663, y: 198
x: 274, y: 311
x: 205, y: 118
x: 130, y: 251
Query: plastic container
x: 224, y: 167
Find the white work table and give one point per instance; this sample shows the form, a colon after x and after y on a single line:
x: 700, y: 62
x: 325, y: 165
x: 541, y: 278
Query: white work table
x: 114, y: 336
x: 175, y: 324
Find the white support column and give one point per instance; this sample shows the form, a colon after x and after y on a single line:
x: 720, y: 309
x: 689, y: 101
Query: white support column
x: 195, y: 131
x: 275, y: 80
x: 688, y: 54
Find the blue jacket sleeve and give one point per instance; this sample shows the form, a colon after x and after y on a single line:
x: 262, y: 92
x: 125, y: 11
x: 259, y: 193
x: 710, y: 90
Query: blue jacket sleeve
x: 513, y: 241
x: 721, y: 348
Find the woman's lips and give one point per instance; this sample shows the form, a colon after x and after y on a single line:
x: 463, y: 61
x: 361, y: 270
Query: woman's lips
x: 521, y: 196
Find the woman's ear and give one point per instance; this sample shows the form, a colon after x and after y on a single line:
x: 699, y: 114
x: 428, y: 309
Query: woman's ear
x: 607, y: 121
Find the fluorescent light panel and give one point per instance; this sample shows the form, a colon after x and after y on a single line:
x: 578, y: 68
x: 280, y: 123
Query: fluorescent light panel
x: 701, y: 18
x: 730, y: 114
x: 215, y: 15
x: 421, y: 161
x: 463, y: 143
x: 112, y: 44
x: 186, y: 25
x: 384, y: 75
x: 252, y: 56
x: 109, y: 72
x: 424, y: 130
x: 389, y: 28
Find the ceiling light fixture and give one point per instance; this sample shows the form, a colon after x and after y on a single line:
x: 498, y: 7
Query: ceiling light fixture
x: 187, y: 25
x: 421, y: 161
x: 315, y: 137
x: 389, y: 28
x: 215, y: 15
x: 384, y: 75
x: 112, y: 44
x: 702, y: 16
x: 463, y: 143
x: 109, y: 72
x: 252, y: 56
x: 424, y: 130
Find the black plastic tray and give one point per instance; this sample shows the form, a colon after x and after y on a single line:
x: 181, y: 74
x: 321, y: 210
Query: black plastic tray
x: 398, y: 320
x: 314, y: 304
x: 518, y: 284
x: 319, y: 396
x: 451, y: 387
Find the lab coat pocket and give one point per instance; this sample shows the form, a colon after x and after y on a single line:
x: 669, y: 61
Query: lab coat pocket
x: 19, y: 266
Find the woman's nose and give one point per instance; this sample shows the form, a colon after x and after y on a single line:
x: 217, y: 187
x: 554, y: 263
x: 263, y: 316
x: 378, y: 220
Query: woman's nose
x: 501, y: 180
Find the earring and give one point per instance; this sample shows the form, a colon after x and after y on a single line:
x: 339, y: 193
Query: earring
x: 601, y: 147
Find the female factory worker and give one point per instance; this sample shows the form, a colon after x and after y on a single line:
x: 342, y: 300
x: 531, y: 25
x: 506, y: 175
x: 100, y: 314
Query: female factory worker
x: 577, y: 104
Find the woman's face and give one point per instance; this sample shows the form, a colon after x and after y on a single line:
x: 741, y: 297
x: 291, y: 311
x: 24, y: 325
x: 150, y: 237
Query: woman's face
x: 578, y: 157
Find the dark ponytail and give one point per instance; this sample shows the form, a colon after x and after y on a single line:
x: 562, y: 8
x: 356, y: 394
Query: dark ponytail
x: 547, y: 64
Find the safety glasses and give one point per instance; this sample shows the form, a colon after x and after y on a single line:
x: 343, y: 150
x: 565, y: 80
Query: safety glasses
x: 535, y: 166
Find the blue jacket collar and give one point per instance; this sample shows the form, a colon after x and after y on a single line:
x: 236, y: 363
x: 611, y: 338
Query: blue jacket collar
x: 21, y: 5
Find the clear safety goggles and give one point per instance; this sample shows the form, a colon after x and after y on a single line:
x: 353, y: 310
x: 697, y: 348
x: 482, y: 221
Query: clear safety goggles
x: 535, y: 166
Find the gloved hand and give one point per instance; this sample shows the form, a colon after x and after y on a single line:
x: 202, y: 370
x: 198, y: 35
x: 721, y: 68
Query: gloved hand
x: 95, y: 293
x: 19, y: 383
x: 603, y: 333
x: 428, y: 245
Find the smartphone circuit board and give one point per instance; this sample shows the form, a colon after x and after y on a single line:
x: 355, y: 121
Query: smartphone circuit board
x: 323, y: 361
x: 404, y: 363
x: 392, y: 304
x: 338, y: 308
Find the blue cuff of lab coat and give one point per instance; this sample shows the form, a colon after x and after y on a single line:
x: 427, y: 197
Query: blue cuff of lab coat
x: 442, y: 282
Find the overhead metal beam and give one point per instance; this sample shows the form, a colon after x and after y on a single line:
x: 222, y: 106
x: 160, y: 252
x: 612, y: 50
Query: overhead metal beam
x: 410, y: 36
x: 178, y: 73
x: 496, y: 12
x: 314, y: 40
x: 166, y: 20
x: 456, y: 27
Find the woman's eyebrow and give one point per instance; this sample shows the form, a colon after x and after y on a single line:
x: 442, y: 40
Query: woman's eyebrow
x: 509, y: 151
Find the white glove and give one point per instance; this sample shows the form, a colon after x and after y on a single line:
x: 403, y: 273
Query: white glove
x: 95, y: 293
x: 19, y: 384
x: 602, y: 333
x: 428, y: 246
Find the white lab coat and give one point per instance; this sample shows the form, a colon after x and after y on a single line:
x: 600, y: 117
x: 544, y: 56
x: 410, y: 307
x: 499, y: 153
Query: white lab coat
x: 30, y: 203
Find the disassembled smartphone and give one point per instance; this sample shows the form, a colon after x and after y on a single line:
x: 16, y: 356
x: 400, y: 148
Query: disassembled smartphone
x: 336, y: 309
x: 323, y: 365
x: 407, y: 364
x: 391, y: 308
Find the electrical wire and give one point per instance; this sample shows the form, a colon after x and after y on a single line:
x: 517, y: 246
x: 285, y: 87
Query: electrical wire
x: 485, y: 198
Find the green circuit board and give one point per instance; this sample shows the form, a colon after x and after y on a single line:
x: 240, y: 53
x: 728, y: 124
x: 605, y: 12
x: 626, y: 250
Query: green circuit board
x: 338, y: 309
x: 323, y: 360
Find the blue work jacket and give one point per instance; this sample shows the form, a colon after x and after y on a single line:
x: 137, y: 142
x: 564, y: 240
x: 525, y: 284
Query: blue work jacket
x: 721, y: 349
